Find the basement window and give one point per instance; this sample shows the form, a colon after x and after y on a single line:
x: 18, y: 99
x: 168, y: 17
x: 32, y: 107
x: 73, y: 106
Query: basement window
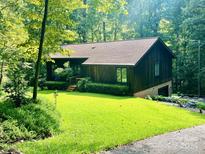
x: 122, y: 75
x: 156, y: 69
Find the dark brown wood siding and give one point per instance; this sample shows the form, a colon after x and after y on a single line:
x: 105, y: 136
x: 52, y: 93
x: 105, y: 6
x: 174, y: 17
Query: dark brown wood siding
x: 144, y: 71
x: 105, y: 73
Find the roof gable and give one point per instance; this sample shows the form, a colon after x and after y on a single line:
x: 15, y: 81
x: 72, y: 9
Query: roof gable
x: 110, y: 53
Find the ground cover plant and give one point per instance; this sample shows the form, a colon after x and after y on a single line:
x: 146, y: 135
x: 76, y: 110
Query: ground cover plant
x: 94, y: 122
x: 30, y: 121
x: 182, y: 102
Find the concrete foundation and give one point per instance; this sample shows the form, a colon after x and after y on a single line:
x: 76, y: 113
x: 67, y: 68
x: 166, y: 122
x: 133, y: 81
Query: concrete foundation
x: 154, y: 90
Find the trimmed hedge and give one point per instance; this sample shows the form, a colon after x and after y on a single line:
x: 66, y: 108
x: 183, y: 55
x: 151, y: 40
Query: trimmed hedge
x: 114, y: 89
x: 56, y: 85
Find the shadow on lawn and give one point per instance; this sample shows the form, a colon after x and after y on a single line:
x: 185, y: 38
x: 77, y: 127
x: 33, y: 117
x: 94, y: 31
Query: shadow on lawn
x: 98, y: 95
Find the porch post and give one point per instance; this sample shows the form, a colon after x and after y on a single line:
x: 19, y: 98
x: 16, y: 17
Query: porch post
x: 49, y: 71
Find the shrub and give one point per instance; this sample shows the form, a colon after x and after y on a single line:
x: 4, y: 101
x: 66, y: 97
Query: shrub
x: 34, y: 120
x: 65, y: 73
x: 17, y: 85
x: 11, y: 132
x: 200, y: 106
x: 56, y: 85
x: 82, y: 84
x: 107, y: 88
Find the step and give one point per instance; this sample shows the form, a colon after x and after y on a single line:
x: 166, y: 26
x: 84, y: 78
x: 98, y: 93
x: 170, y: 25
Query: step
x: 72, y: 88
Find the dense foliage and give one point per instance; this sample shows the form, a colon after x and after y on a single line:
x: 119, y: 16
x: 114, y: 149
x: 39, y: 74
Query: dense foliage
x: 12, y: 132
x: 31, y: 121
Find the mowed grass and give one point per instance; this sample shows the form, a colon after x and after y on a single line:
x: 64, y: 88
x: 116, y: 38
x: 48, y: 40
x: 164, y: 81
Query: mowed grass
x: 94, y: 122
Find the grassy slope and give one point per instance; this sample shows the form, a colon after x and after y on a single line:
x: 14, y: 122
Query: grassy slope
x: 92, y: 122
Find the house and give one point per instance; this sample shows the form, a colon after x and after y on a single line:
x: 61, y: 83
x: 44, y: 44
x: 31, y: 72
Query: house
x: 145, y: 65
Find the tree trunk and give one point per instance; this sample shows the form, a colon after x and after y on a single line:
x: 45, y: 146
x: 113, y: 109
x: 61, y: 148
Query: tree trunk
x: 115, y: 31
x: 84, y: 33
x: 200, y: 110
x: 92, y: 34
x: 104, y: 32
x: 38, y: 62
x: 1, y: 71
x: 177, y: 68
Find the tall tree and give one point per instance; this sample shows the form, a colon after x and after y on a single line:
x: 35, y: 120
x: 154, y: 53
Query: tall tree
x: 38, y: 62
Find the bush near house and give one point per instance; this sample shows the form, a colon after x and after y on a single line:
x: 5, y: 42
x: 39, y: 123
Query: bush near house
x: 82, y: 84
x: 200, y: 106
x: 64, y: 74
x: 56, y: 85
x: 114, y: 89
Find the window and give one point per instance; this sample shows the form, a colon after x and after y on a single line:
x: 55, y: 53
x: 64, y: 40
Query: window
x: 122, y: 75
x: 156, y: 69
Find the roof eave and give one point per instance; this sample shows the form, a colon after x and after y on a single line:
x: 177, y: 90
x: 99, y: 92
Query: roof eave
x: 70, y: 57
x: 110, y: 64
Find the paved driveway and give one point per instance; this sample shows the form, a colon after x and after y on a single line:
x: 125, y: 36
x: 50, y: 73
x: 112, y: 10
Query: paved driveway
x: 186, y: 141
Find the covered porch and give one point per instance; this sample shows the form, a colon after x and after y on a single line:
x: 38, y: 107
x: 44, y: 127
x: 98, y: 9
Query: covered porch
x: 74, y: 63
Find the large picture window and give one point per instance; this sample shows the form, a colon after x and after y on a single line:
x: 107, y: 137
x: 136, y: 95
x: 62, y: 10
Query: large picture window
x: 122, y: 75
x: 156, y: 69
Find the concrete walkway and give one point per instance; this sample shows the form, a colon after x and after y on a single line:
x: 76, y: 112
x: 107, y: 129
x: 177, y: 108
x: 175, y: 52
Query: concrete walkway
x: 186, y: 141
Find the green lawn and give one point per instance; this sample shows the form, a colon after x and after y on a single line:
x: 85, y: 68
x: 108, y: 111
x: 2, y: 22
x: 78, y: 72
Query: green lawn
x: 93, y: 122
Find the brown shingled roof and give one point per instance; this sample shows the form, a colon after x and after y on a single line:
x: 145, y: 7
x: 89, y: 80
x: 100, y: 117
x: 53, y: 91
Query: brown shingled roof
x: 110, y: 53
